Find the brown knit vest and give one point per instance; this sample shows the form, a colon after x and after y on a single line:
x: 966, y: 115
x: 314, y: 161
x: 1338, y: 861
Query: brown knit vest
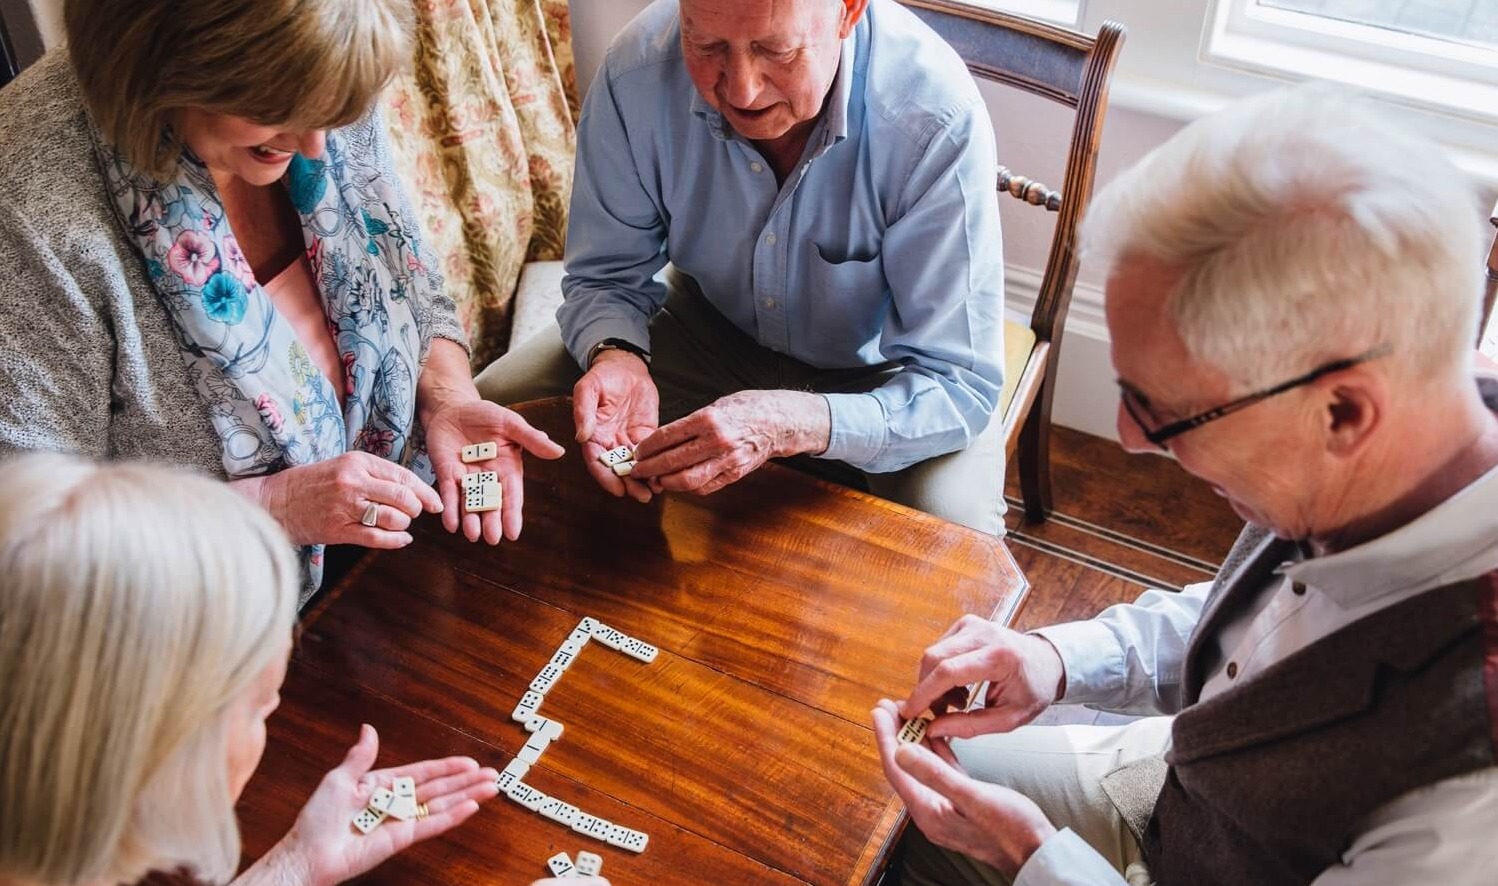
x: 1269, y: 780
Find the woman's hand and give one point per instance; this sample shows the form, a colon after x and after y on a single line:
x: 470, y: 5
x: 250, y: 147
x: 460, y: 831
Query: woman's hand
x: 453, y: 416
x: 451, y: 427
x: 325, y: 503
x: 323, y: 847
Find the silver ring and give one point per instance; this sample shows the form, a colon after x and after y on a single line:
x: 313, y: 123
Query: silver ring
x: 371, y: 516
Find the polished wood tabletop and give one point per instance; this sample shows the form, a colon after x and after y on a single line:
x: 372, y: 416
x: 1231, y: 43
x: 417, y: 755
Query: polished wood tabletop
x: 783, y: 607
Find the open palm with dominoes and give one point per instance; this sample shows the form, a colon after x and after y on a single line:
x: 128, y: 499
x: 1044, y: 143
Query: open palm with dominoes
x: 615, y: 405
x: 451, y: 432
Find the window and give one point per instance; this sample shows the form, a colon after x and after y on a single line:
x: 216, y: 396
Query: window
x: 1439, y: 55
x: 1461, y: 21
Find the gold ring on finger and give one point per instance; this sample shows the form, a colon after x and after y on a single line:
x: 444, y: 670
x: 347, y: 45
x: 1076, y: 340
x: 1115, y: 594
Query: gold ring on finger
x: 422, y: 811
x: 371, y: 516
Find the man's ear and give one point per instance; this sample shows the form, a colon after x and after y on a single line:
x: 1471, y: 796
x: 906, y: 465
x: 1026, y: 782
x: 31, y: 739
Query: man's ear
x: 1354, y: 403
x: 853, y: 11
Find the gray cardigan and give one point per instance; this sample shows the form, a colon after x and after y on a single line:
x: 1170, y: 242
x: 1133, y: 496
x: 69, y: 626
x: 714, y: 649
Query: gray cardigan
x: 89, y: 362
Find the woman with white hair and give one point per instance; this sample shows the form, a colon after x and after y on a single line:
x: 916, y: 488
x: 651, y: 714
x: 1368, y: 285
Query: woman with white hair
x: 205, y: 258
x: 145, y: 623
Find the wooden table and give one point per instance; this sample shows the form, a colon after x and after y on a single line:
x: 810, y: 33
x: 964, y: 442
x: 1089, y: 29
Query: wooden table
x: 783, y: 607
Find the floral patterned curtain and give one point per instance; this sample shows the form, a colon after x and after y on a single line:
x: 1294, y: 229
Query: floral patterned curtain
x: 483, y: 128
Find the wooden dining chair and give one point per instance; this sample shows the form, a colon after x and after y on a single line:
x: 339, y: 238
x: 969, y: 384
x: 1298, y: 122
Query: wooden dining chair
x: 1491, y: 296
x: 1071, y: 69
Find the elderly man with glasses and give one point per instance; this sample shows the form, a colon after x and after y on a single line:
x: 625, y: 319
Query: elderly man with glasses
x: 1293, y: 320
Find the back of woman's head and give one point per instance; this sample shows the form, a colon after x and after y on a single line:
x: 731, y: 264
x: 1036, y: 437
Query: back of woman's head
x: 137, y: 604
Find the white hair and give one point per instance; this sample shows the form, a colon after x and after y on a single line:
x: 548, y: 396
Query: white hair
x: 1306, y: 228
x: 137, y: 605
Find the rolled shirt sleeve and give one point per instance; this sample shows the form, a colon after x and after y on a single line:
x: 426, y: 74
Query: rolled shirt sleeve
x: 1130, y: 658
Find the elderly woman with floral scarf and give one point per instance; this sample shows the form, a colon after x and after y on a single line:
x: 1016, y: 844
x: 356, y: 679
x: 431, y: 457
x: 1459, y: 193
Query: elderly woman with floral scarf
x: 206, y: 259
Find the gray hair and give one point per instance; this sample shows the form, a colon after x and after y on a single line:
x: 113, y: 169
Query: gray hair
x: 1307, y: 228
x: 136, y: 605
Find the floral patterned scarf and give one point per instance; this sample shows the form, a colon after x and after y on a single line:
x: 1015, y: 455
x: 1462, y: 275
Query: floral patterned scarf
x: 270, y: 404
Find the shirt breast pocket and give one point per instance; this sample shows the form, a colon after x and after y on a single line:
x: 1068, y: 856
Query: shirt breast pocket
x: 847, y: 300
x: 857, y: 271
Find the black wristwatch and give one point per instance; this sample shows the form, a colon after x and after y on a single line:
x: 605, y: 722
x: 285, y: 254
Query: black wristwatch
x: 616, y: 344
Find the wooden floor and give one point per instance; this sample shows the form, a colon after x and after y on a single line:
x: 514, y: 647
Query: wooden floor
x: 1122, y: 523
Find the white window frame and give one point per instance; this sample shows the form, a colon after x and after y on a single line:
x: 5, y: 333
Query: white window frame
x: 1447, y: 77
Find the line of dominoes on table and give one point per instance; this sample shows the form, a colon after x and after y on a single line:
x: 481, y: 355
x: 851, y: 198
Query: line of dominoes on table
x: 544, y: 731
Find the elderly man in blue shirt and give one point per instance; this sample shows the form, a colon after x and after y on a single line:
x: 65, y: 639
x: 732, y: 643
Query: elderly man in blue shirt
x: 819, y: 176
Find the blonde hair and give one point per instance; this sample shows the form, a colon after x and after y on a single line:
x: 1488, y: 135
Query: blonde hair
x: 137, y: 604
x: 298, y: 64
x: 1306, y: 228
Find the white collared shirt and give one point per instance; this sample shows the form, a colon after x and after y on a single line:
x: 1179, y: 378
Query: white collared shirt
x: 1131, y: 658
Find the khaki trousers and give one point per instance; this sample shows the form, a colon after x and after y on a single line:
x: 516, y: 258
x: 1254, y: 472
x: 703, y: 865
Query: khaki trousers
x: 698, y: 356
x: 1061, y: 768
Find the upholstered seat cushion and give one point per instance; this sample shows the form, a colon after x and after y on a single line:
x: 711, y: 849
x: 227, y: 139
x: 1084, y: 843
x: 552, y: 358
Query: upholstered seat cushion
x: 1019, y: 341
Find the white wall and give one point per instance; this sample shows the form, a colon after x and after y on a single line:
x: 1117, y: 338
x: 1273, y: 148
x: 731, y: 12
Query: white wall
x: 1158, y: 86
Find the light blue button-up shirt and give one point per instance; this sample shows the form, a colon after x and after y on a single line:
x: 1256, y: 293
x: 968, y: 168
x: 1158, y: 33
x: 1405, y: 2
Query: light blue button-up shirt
x: 883, y: 244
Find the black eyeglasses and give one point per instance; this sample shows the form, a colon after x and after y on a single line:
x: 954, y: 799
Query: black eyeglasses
x: 1175, y: 429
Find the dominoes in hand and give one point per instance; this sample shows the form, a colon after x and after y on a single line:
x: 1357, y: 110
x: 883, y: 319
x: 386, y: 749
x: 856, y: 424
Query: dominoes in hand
x: 479, y: 478
x: 482, y: 498
x: 479, y: 452
x: 589, y: 865
x: 381, y: 800
x: 561, y: 865
x: 915, y: 730
x: 403, y: 807
x: 368, y: 819
x: 615, y: 457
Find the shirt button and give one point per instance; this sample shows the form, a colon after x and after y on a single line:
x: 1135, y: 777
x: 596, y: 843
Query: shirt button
x: 1232, y: 670
x: 1298, y: 588
x: 770, y: 303
x: 771, y: 239
x: 756, y: 167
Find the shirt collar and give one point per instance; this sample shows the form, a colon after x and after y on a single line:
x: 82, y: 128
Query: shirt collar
x: 833, y: 127
x: 1416, y: 554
